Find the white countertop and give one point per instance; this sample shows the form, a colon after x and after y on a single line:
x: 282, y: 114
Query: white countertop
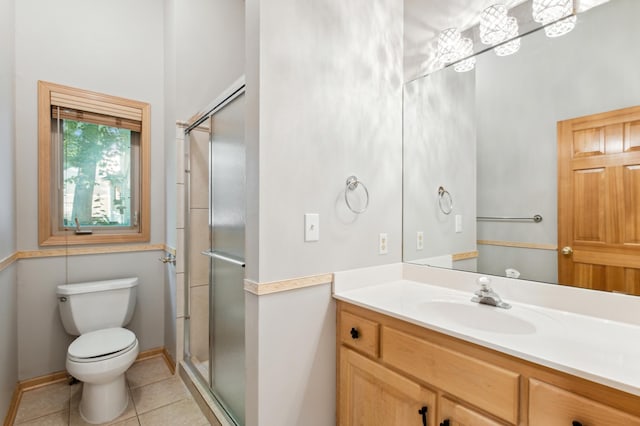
x: 598, y: 349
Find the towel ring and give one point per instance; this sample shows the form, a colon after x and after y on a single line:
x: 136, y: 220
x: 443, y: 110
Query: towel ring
x: 445, y: 201
x: 352, y: 185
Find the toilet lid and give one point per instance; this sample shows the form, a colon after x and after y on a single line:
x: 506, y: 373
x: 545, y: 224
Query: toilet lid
x: 101, y: 342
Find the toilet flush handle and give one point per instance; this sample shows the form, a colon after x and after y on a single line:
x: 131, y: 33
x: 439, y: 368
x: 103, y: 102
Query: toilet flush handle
x: 62, y: 299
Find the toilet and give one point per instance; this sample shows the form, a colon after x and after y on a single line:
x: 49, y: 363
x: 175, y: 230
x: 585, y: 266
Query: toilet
x: 96, y: 312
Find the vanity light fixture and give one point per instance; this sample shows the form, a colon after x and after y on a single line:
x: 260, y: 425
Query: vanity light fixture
x: 551, y: 12
x: 561, y: 27
x: 448, y: 42
x: 466, y: 49
x: 452, y: 47
x: 496, y: 27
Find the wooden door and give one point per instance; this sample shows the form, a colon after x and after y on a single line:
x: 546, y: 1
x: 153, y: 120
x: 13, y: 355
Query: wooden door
x: 599, y: 201
x: 372, y: 395
x: 453, y: 414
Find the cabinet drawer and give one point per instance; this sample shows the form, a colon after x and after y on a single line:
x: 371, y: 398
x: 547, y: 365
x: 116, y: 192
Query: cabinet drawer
x: 359, y: 333
x: 552, y: 406
x: 459, y: 415
x: 484, y: 385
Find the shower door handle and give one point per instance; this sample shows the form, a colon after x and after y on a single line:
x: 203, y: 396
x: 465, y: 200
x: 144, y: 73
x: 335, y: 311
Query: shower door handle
x: 225, y: 256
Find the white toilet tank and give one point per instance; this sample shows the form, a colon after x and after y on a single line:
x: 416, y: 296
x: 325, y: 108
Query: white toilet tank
x: 96, y: 305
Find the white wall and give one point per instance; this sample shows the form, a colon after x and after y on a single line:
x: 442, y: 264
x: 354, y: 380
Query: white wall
x: 324, y: 94
x: 8, y: 277
x: 330, y: 106
x: 111, y: 47
x: 209, y: 41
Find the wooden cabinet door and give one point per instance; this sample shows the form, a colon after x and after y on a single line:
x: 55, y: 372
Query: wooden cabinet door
x: 453, y: 414
x: 599, y: 201
x: 372, y: 395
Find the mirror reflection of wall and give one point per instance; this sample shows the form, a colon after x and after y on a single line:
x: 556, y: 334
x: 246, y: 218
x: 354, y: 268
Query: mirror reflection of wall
x: 505, y: 114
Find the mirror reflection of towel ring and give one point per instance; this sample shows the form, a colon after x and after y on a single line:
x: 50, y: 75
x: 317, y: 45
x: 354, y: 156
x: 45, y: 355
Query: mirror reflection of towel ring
x: 445, y: 201
x: 352, y: 185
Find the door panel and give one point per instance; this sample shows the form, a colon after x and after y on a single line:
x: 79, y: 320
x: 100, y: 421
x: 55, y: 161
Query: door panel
x: 632, y: 136
x: 599, y: 201
x: 459, y: 415
x: 372, y: 395
x: 631, y: 190
x: 227, y: 218
x: 589, y: 194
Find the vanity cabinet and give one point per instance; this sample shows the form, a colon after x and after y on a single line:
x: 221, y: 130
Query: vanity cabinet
x: 392, y: 372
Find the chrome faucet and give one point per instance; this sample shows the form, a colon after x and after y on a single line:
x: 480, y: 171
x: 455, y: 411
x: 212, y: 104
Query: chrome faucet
x: 486, y: 296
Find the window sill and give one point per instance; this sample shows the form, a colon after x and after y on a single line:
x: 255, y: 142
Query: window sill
x: 73, y: 239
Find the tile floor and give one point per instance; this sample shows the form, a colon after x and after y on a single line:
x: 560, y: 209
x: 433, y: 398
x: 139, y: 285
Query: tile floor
x: 157, y: 398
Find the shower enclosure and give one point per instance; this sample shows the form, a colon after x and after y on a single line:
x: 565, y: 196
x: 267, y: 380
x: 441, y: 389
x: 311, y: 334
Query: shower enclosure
x: 214, y: 251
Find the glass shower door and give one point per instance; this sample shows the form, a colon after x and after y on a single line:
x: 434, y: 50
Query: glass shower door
x: 227, y: 239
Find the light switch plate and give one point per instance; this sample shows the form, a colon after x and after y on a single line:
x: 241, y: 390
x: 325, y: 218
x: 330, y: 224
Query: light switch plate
x: 311, y: 227
x: 420, y: 240
x: 458, y: 223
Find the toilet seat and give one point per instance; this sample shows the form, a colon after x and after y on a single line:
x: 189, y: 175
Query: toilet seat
x: 100, y: 345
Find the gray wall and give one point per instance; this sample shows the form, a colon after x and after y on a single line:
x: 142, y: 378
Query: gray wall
x: 106, y: 51
x: 8, y: 277
x: 520, y: 99
x: 324, y: 94
x: 170, y: 160
x: 439, y: 150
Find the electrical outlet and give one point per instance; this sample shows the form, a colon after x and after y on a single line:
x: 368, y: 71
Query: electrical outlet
x: 420, y: 240
x: 383, y: 244
x: 311, y: 227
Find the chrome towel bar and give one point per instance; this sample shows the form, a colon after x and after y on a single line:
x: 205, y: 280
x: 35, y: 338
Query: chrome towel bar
x: 536, y: 218
x: 225, y: 257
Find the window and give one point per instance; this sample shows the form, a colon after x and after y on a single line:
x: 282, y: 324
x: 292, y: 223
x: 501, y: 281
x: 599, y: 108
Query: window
x: 93, y: 167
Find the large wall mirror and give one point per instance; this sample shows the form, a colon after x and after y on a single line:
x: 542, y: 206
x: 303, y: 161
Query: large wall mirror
x: 481, y: 158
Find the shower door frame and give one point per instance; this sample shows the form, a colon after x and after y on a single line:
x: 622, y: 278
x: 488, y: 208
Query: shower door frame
x: 234, y: 91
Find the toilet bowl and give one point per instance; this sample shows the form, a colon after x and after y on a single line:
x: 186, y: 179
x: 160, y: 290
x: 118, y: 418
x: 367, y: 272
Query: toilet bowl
x: 99, y: 359
x: 104, y: 350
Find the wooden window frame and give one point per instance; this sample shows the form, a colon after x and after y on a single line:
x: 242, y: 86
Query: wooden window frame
x: 49, y: 94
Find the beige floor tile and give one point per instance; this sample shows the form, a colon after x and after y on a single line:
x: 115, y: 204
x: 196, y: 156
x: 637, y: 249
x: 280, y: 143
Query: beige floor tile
x: 60, y: 418
x: 158, y: 394
x: 181, y: 413
x: 43, y: 401
x: 148, y: 371
x: 76, y: 420
x: 129, y: 422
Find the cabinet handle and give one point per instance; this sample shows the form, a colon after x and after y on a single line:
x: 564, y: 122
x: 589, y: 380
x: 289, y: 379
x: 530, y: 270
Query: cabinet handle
x: 576, y: 423
x: 445, y: 422
x: 423, y: 412
x: 355, y: 334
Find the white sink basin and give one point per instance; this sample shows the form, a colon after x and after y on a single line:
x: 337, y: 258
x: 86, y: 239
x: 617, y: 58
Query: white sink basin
x: 480, y: 317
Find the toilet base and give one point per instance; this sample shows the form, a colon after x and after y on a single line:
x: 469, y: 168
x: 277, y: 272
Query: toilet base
x: 102, y: 403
